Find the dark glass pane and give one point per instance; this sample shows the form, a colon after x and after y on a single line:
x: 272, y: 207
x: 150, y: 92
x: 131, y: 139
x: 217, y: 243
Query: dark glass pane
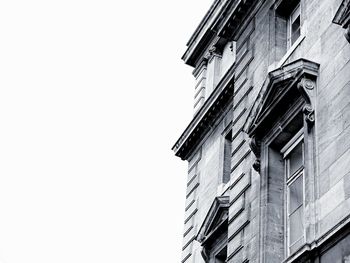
x: 295, y: 30
x: 296, y: 227
x: 295, y: 159
x: 295, y: 192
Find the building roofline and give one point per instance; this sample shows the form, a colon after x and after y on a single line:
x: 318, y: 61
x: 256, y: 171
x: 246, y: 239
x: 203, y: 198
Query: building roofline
x: 203, y: 22
x: 204, y: 33
x: 223, y: 20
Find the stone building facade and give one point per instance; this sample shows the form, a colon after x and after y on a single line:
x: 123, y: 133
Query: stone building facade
x: 268, y: 148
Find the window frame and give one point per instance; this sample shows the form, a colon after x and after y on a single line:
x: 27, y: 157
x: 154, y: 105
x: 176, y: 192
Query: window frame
x: 286, y: 49
x: 274, y: 119
x: 290, y: 20
x: 289, y: 180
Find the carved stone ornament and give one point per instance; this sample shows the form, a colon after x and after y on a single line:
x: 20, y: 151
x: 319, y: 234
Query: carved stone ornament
x: 307, y: 89
x: 255, y: 145
x: 214, y: 51
x: 309, y: 114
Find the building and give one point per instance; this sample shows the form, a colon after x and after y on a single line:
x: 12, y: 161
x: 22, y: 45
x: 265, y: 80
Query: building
x: 268, y: 147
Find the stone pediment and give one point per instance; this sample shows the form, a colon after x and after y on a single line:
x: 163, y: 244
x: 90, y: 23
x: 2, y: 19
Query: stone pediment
x: 292, y: 80
x: 215, y: 222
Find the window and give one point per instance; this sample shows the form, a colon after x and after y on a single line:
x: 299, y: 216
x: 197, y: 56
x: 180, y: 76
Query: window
x: 287, y: 23
x: 227, y: 158
x: 293, y: 26
x: 293, y: 156
x: 281, y: 128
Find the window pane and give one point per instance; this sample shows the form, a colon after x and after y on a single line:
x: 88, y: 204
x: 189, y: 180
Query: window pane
x: 295, y: 159
x: 295, y: 191
x: 295, y: 29
x: 296, y: 225
x: 295, y: 13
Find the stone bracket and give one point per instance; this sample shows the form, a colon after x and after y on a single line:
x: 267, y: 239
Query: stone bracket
x: 307, y: 89
x: 255, y: 145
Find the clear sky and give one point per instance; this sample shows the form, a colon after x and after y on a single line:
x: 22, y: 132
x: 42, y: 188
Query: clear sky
x: 93, y: 94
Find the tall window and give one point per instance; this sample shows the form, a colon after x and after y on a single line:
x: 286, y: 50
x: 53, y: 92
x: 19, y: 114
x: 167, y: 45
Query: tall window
x: 288, y: 26
x: 293, y: 155
x: 227, y: 158
x: 293, y: 26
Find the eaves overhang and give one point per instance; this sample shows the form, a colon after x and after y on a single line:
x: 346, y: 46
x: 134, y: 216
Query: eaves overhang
x: 235, y: 17
x: 204, y: 34
x: 223, y: 20
x: 204, y: 119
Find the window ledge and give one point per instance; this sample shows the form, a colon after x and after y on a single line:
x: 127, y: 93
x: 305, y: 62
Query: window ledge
x: 306, y: 248
x: 290, y: 51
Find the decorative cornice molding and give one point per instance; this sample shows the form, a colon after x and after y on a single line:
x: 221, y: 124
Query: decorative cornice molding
x: 235, y: 18
x: 225, y: 20
x: 201, y: 66
x: 202, y: 122
x: 204, y: 34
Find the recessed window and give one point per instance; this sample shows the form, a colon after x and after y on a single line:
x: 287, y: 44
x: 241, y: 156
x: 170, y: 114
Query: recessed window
x: 293, y: 26
x: 288, y: 26
x: 227, y: 158
x: 293, y: 155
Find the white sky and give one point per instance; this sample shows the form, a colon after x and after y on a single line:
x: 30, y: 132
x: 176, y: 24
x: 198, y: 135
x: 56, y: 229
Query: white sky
x: 93, y: 94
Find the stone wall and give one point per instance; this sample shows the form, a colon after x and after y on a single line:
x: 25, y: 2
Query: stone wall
x: 204, y: 184
x: 256, y: 54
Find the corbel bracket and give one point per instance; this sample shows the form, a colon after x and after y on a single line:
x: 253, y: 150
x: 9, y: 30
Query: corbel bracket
x: 307, y: 89
x: 255, y: 145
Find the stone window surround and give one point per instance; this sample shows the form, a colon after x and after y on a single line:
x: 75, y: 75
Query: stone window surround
x: 213, y: 233
x: 269, y: 170
x: 265, y: 125
x: 290, y: 146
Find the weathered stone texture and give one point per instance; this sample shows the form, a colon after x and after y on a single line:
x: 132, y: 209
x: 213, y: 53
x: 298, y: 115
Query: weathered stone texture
x: 256, y: 54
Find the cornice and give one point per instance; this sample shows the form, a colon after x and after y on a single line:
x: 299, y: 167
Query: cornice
x: 206, y: 116
x: 205, y: 34
x: 203, y: 22
x: 236, y: 18
x: 224, y: 20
